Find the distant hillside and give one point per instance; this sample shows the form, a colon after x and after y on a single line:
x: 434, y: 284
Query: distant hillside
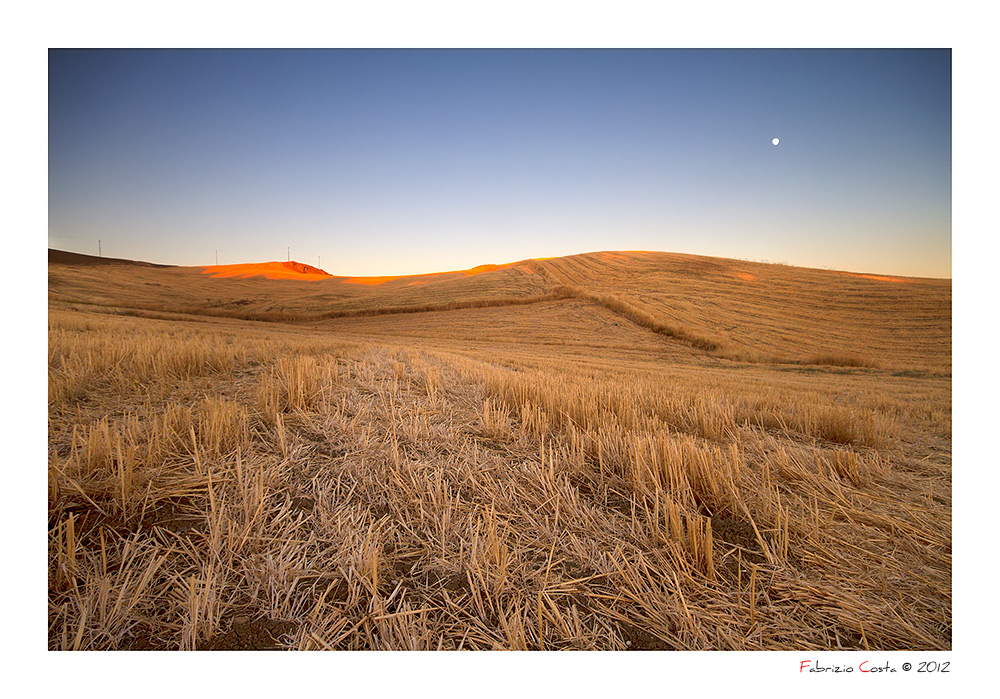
x: 722, y: 308
x: 268, y: 270
x: 769, y: 312
x: 61, y: 257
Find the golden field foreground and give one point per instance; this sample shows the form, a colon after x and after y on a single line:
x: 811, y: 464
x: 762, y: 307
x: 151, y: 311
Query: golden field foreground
x: 607, y: 451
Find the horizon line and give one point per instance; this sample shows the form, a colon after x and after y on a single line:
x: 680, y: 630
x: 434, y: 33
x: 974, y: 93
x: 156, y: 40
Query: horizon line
x: 504, y: 264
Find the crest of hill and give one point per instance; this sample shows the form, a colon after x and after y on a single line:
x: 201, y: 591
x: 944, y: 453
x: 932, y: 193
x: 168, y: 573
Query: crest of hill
x: 268, y: 270
x: 304, y: 272
x: 62, y: 257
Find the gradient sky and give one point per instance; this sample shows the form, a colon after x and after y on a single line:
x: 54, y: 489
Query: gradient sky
x: 386, y: 162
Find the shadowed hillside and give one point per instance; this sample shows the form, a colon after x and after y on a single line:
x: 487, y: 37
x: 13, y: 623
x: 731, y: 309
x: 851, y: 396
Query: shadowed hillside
x: 61, y: 257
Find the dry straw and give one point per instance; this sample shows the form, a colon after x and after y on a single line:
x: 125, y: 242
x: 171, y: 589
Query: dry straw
x: 227, y: 484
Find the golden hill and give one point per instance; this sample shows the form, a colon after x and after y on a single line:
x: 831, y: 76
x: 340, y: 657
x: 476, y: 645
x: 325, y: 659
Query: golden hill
x: 727, y: 309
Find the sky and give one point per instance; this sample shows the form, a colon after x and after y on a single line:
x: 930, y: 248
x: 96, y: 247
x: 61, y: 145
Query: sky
x: 390, y: 162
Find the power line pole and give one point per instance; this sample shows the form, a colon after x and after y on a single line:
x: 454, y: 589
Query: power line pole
x: 99, y: 254
x: 216, y: 258
x: 289, y: 254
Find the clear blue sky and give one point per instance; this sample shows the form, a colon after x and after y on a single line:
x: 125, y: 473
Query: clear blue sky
x: 399, y: 162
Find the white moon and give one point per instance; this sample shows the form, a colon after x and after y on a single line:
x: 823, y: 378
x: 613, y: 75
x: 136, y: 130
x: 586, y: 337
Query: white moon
x: 775, y: 141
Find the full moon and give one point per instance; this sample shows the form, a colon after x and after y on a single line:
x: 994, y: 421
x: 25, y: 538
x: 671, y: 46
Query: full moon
x: 775, y: 141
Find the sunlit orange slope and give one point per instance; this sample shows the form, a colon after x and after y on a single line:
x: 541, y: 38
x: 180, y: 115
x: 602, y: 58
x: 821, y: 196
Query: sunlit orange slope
x: 879, y: 278
x: 268, y: 270
x: 304, y: 272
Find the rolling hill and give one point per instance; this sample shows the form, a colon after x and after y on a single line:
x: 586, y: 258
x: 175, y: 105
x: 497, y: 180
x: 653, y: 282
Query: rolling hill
x: 727, y: 309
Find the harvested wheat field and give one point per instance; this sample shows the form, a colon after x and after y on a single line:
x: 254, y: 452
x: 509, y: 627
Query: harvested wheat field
x: 610, y: 451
